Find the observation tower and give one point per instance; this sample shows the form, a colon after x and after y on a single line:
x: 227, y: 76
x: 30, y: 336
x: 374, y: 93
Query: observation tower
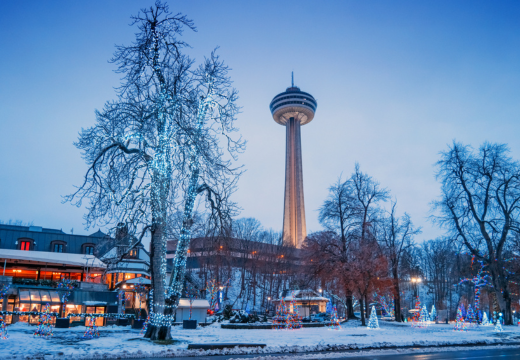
x: 292, y: 109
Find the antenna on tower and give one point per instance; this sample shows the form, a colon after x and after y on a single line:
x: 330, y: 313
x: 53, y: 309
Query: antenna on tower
x: 292, y: 78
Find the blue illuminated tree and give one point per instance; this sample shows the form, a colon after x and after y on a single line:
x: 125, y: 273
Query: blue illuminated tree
x: 157, y: 147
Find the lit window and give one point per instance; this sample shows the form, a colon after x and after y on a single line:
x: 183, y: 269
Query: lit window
x: 133, y: 253
x: 25, y: 245
x: 58, y: 248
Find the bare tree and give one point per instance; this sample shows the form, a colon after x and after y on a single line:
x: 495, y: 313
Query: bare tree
x: 396, y: 236
x: 157, y: 147
x: 340, y: 213
x: 369, y: 194
x: 479, y: 206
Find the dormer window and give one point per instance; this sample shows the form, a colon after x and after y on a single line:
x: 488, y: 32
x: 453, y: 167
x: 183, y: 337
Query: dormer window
x: 133, y: 253
x: 89, y: 250
x: 58, y: 246
x: 25, y: 245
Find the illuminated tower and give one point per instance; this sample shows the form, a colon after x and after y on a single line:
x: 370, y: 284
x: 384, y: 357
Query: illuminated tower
x: 292, y: 109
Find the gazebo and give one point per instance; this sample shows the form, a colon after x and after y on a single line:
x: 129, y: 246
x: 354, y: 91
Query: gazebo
x: 308, y: 301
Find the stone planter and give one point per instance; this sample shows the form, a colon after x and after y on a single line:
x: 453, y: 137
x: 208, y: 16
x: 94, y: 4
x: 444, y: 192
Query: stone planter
x: 62, y: 323
x: 137, y: 324
x: 189, y: 324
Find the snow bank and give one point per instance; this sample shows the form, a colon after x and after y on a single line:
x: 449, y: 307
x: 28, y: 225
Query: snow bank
x: 117, y: 342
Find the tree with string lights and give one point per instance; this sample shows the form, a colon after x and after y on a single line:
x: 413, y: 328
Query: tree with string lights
x: 480, y: 207
x: 158, y: 146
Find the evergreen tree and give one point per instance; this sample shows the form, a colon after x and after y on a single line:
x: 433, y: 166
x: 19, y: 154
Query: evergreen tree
x: 433, y: 314
x: 460, y: 325
x: 485, y: 320
x: 334, y: 321
x: 470, y: 316
x: 498, y: 326
x: 372, y: 321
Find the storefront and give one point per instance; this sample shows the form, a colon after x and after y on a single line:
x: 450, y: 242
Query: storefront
x: 98, y: 307
x: 35, y: 300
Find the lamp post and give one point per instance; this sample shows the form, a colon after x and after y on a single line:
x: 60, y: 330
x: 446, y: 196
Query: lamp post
x: 415, y: 282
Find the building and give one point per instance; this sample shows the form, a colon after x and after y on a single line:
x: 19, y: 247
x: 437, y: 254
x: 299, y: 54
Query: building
x: 293, y: 109
x: 309, y: 301
x: 35, y: 259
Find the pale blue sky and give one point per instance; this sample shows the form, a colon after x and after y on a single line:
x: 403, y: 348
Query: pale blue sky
x: 395, y: 81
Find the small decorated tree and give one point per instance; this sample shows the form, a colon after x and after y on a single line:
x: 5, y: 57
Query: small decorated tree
x: 485, y: 320
x: 433, y: 314
x: 424, y: 318
x: 280, y: 319
x: 470, y: 316
x: 372, y: 321
x: 92, y: 329
x: 294, y: 320
x: 417, y: 308
x: 45, y: 327
x: 334, y: 320
x: 460, y: 325
x: 498, y: 325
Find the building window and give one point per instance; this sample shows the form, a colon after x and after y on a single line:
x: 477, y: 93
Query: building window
x: 133, y: 253
x: 25, y: 245
x: 89, y: 250
x: 58, y: 246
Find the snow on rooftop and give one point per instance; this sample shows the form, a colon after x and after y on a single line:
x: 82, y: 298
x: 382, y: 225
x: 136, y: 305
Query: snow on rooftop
x: 52, y: 257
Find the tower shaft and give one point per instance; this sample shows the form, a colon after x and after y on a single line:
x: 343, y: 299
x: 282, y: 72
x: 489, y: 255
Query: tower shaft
x: 294, y: 228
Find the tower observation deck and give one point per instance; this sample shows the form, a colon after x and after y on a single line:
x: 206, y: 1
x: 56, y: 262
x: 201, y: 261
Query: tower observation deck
x: 292, y: 109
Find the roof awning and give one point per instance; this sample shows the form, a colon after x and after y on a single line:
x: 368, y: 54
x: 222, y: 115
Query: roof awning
x: 39, y: 296
x: 49, y: 258
x: 139, y: 280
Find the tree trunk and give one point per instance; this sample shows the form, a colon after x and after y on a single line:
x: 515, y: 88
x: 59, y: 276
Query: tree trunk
x: 158, y: 332
x: 502, y: 294
x: 362, y: 311
x: 397, y: 296
x: 366, y: 305
x: 350, y: 308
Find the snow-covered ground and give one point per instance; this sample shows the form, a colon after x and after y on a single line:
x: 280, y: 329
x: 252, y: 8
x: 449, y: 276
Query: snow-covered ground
x: 122, y: 342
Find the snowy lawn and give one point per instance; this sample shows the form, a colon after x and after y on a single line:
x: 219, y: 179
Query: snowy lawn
x: 122, y: 342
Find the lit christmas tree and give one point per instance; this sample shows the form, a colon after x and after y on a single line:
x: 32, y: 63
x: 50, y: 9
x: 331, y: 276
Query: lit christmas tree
x: 92, y: 330
x: 470, y: 316
x: 3, y: 329
x: 44, y: 328
x: 424, y: 318
x: 417, y: 308
x: 280, y: 319
x: 498, y: 326
x: 372, y: 321
x: 485, y: 320
x: 433, y: 314
x: 460, y: 325
x: 294, y: 320
x: 334, y: 321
